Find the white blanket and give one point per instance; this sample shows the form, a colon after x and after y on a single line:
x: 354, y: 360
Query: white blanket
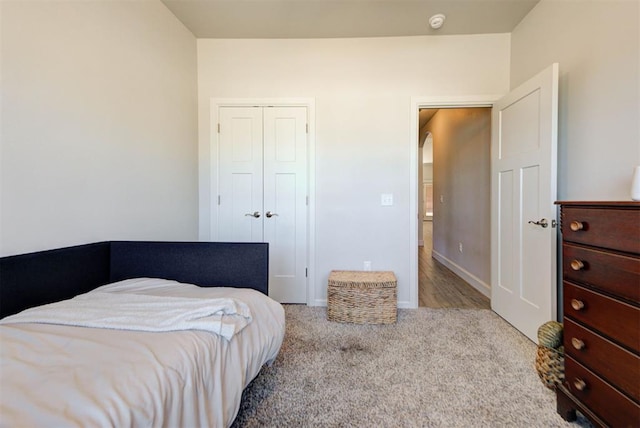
x: 141, y: 312
x: 64, y: 376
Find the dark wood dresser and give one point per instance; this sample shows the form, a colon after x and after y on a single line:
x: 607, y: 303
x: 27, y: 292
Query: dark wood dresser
x: 601, y: 306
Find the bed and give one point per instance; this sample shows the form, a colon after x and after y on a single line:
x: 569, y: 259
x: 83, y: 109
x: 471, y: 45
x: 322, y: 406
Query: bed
x: 60, y: 374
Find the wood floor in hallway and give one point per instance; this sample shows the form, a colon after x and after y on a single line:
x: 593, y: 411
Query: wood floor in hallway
x: 441, y: 288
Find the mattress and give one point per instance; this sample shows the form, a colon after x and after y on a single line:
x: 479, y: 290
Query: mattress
x: 58, y: 375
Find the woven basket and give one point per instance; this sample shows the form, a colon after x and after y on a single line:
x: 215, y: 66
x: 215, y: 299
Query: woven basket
x: 550, y: 334
x: 362, y: 297
x: 550, y: 354
x: 550, y: 366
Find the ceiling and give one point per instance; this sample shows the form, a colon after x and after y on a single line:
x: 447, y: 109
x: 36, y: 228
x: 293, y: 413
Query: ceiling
x: 345, y: 18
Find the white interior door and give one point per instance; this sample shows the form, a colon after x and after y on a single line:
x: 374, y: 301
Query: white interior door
x: 523, y: 192
x: 263, y: 190
x: 240, y: 175
x: 285, y: 195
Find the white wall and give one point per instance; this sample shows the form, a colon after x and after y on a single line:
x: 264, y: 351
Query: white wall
x: 427, y: 171
x: 597, y: 44
x: 363, y: 90
x: 99, y: 124
x: 427, y: 155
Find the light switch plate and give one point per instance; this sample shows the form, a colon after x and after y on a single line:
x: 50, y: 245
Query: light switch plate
x: 386, y: 199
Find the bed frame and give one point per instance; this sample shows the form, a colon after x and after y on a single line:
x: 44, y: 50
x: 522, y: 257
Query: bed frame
x: 43, y: 277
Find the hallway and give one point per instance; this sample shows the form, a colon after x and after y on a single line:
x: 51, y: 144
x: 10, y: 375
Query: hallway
x: 441, y: 288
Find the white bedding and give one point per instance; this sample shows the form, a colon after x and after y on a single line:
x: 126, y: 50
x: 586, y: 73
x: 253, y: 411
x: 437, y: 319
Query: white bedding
x: 144, y: 312
x: 56, y: 375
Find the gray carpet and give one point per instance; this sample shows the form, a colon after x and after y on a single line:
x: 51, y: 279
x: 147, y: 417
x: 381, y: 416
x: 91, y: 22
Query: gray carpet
x: 434, y: 368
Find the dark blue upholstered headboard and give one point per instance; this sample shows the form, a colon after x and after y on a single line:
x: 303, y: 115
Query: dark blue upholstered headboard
x: 34, y: 279
x: 42, y: 277
x: 207, y: 264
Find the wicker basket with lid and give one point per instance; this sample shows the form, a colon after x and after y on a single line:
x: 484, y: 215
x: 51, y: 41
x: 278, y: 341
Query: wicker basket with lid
x: 550, y: 354
x: 362, y: 297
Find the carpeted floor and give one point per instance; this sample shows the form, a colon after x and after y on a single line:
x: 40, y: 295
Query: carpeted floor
x: 434, y: 368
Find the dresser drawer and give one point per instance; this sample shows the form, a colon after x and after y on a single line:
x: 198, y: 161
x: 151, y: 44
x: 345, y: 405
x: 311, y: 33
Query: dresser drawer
x: 608, y: 228
x: 611, y: 362
x: 615, y: 408
x: 618, y: 320
x: 613, y: 273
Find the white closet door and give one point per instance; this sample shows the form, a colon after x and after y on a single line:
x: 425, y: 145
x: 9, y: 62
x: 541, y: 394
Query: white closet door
x: 285, y: 207
x: 262, y: 191
x: 240, y: 175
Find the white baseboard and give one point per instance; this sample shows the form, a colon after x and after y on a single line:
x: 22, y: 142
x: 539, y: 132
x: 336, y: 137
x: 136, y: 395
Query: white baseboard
x: 470, y: 278
x: 319, y: 302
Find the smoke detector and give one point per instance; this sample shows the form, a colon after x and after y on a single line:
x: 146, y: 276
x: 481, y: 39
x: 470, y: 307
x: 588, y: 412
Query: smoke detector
x: 436, y: 21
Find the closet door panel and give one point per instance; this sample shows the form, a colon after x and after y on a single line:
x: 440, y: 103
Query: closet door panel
x: 285, y: 194
x: 240, y: 175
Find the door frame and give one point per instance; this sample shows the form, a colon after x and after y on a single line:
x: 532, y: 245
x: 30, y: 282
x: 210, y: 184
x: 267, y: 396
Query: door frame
x: 208, y: 211
x: 414, y: 213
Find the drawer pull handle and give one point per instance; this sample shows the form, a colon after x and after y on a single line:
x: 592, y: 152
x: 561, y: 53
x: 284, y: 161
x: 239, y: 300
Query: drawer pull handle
x: 580, y: 384
x: 577, y: 264
x: 577, y: 304
x: 576, y: 225
x: 577, y: 343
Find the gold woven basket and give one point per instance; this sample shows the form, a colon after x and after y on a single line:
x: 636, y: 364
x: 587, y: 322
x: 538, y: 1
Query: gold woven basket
x: 550, y: 354
x: 362, y: 297
x: 550, y: 366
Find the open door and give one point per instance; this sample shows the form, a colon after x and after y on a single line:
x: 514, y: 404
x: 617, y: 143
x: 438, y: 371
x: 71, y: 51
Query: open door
x: 523, y: 192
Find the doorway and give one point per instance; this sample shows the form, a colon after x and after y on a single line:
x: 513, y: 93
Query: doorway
x: 523, y: 164
x: 454, y: 262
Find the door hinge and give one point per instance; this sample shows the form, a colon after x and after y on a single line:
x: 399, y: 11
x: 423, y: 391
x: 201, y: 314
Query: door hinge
x: 218, y: 128
x: 307, y: 128
x: 218, y: 199
x: 306, y: 272
x: 307, y: 200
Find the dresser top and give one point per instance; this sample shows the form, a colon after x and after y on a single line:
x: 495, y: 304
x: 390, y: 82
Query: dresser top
x: 630, y: 204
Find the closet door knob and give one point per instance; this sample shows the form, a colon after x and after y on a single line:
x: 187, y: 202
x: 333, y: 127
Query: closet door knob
x: 577, y: 264
x: 576, y: 225
x: 256, y: 214
x: 269, y: 214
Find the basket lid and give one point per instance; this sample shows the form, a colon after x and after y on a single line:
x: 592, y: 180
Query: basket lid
x: 362, y: 278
